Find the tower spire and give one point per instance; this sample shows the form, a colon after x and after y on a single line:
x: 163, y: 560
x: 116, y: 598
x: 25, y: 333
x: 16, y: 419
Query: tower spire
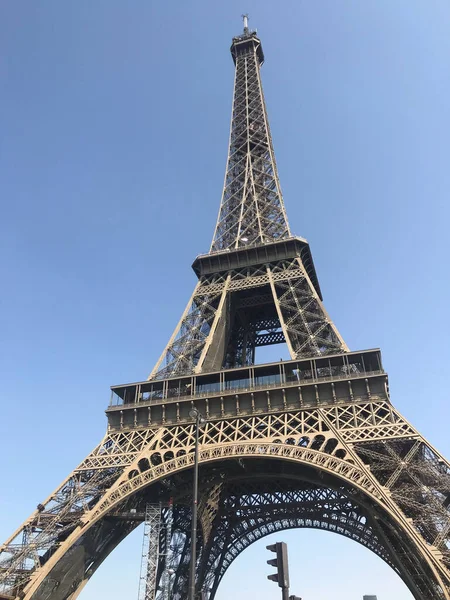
x: 252, y: 210
x: 257, y: 285
x: 245, y: 19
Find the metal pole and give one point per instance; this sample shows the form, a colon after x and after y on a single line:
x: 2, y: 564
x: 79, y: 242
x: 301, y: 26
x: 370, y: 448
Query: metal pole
x: 169, y: 585
x: 285, y: 595
x: 194, y: 513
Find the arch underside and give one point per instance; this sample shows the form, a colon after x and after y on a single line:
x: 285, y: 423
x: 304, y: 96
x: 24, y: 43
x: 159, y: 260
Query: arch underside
x: 252, y: 508
x: 250, y: 499
x: 241, y: 501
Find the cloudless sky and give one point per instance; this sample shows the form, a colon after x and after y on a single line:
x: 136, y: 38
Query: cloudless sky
x: 115, y: 119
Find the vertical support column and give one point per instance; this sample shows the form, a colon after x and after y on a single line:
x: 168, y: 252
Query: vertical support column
x: 174, y: 334
x: 280, y: 315
x: 150, y: 552
x: 167, y: 573
x: 212, y: 334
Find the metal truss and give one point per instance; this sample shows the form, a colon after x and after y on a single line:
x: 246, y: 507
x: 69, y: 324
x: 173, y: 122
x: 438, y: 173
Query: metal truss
x: 222, y: 327
x: 252, y: 509
x: 150, y: 553
x: 185, y: 351
x: 261, y: 504
x: 252, y: 209
x: 215, y: 331
x: 166, y: 565
x: 368, y: 446
x: 319, y: 446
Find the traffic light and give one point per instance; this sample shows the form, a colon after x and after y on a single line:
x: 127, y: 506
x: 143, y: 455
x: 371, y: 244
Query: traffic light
x: 281, y: 563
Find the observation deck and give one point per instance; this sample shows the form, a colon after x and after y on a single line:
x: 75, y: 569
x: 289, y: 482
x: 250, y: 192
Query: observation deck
x: 256, y: 389
x: 258, y: 254
x: 246, y: 43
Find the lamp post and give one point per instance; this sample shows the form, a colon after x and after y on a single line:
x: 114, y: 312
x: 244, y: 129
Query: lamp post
x: 195, y: 414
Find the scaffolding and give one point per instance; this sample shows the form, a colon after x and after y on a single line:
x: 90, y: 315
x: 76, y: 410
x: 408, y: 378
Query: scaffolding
x: 156, y: 528
x: 150, y: 552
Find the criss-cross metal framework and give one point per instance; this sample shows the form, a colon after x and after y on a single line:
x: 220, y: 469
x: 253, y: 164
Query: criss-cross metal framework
x: 252, y: 209
x: 309, y: 442
x: 150, y: 553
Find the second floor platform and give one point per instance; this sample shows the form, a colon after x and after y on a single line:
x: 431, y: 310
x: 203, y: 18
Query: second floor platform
x: 283, y: 385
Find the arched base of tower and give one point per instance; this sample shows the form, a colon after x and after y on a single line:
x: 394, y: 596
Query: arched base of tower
x: 241, y: 501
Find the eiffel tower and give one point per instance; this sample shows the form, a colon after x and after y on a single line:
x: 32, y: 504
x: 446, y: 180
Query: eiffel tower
x: 313, y: 441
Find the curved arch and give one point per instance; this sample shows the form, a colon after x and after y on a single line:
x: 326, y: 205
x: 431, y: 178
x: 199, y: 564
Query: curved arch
x: 132, y: 480
x: 292, y: 501
x: 331, y: 464
x: 266, y: 507
x: 260, y: 533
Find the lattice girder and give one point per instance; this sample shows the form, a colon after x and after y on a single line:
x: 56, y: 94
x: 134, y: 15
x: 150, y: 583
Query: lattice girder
x: 334, y: 423
x: 150, y: 553
x: 253, y: 508
x: 207, y: 331
x: 252, y: 209
x: 315, y: 437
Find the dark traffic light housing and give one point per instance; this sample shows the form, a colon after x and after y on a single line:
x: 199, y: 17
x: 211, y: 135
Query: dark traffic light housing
x: 281, y: 563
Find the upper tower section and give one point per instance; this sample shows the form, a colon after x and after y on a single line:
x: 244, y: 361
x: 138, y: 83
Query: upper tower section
x: 252, y: 210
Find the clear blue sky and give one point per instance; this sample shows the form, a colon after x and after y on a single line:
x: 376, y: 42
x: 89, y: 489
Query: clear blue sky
x: 115, y: 119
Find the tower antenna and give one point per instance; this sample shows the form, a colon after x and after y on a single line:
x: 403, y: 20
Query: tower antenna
x: 245, y: 19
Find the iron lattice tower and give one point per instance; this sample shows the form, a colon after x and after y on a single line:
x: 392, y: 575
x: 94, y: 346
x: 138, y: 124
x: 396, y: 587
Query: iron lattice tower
x: 310, y: 442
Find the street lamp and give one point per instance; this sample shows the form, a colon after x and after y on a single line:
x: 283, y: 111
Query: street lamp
x: 194, y: 414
